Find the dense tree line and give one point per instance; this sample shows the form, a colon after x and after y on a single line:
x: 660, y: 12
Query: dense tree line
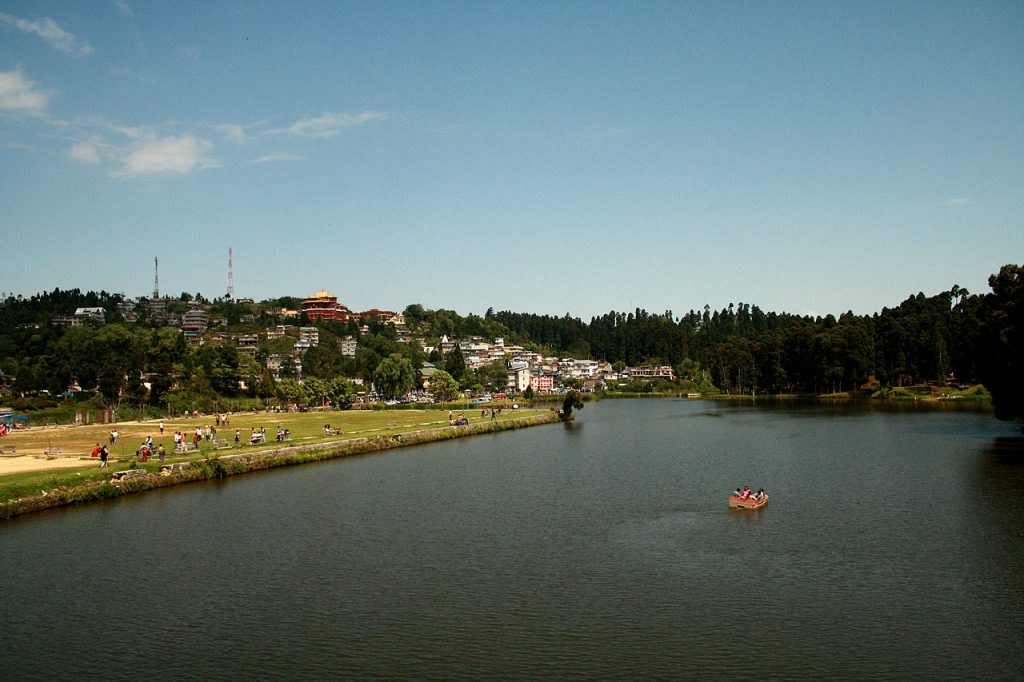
x: 951, y: 335
x: 745, y: 349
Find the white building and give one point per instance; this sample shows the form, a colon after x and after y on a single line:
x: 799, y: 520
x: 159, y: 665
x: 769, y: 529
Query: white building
x: 652, y: 372
x: 519, y: 376
x: 94, y: 314
x: 309, y: 335
x: 348, y: 346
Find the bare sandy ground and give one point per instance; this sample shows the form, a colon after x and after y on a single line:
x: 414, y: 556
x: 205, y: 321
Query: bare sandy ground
x: 22, y: 463
x: 29, y: 462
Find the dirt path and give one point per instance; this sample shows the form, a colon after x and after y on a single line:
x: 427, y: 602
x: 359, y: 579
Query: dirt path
x: 23, y: 463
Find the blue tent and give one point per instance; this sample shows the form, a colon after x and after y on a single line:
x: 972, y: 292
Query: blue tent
x: 9, y: 417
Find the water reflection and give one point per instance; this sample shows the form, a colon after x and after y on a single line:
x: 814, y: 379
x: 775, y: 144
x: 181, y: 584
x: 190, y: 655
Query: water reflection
x: 1007, y: 450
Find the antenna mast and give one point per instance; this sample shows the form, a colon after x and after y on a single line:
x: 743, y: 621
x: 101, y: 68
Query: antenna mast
x: 231, y: 277
x: 156, y: 277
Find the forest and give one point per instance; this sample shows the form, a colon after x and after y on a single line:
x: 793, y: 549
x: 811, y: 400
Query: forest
x: 954, y: 337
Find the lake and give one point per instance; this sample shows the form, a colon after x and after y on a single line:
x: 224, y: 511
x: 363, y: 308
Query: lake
x: 891, y: 548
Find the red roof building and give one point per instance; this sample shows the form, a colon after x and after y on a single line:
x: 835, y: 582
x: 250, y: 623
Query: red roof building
x: 324, y: 306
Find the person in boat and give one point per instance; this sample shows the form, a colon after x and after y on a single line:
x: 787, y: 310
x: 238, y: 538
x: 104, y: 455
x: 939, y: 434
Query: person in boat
x: 737, y: 492
x: 746, y: 493
x: 759, y: 494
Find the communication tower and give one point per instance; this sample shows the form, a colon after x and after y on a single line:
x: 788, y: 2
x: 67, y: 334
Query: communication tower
x: 156, y: 277
x: 231, y: 277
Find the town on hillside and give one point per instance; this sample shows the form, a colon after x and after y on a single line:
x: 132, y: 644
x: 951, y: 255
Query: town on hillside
x: 187, y: 352
x: 293, y: 341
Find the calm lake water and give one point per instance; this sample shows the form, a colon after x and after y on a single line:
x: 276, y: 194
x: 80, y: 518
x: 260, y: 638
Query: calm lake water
x: 892, y: 548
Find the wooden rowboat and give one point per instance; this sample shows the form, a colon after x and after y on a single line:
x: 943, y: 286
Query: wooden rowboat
x: 737, y: 502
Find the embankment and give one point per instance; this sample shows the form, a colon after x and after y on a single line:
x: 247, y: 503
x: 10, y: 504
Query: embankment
x: 140, y: 480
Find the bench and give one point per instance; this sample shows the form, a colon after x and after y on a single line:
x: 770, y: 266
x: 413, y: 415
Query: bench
x: 52, y: 453
x: 8, y: 450
x: 184, y: 448
x: 221, y: 443
x: 257, y: 438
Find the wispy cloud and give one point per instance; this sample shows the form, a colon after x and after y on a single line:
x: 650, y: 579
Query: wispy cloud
x: 17, y: 93
x: 232, y: 131
x: 50, y: 31
x: 176, y: 154
x: 124, y: 8
x: 956, y: 204
x: 328, y: 124
x: 278, y: 157
x: 87, y: 151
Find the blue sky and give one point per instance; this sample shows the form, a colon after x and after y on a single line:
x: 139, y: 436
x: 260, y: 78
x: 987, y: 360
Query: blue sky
x: 549, y: 157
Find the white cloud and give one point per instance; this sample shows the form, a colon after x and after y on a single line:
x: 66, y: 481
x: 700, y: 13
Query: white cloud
x: 17, y: 93
x: 181, y: 155
x: 278, y: 157
x: 86, y: 152
x: 329, y: 125
x: 50, y: 31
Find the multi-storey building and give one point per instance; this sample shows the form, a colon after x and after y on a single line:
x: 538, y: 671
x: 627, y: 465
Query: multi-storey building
x: 542, y: 384
x: 195, y: 322
x: 324, y: 306
x: 309, y: 335
x: 248, y: 344
x: 519, y: 376
x: 348, y: 346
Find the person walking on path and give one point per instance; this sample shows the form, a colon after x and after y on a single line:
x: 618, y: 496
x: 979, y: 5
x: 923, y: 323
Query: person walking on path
x: 103, y: 457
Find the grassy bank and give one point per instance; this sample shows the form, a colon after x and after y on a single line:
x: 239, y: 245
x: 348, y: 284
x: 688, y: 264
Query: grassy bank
x: 36, y: 491
x: 973, y: 394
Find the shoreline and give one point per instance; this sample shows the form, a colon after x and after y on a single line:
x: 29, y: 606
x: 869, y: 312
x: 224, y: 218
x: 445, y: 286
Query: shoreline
x: 151, y: 477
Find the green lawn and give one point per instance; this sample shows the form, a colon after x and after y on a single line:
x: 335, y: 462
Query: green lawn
x: 305, y: 427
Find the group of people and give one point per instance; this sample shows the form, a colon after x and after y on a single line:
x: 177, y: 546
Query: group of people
x: 209, y: 434
x: 257, y: 435
x: 745, y: 493
x: 103, y: 453
x: 147, y: 448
